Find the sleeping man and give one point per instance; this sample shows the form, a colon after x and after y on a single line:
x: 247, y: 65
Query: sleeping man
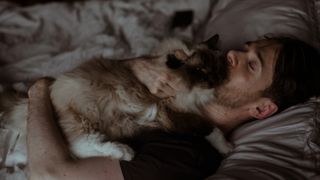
x: 265, y: 77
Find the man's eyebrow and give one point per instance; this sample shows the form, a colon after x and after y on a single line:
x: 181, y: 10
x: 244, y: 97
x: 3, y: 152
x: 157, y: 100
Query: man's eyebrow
x: 260, y: 57
x: 259, y: 53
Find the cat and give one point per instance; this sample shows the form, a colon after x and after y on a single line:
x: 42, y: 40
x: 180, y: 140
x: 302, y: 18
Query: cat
x: 101, y: 101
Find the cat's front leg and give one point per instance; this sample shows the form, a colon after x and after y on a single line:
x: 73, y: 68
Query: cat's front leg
x: 70, y: 93
x: 90, y: 145
x: 217, y: 140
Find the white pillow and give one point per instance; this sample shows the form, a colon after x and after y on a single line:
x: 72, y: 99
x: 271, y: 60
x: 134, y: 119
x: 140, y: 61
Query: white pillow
x: 240, y: 21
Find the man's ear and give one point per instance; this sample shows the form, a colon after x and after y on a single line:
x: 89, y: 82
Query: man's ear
x: 263, y: 108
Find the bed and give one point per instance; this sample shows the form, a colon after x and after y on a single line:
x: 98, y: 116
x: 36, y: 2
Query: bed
x: 44, y: 38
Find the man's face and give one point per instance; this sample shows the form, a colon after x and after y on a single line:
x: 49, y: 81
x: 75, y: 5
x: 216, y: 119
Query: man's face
x: 250, y: 73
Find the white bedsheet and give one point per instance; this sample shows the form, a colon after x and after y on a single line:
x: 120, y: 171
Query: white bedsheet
x: 46, y: 40
x: 49, y: 39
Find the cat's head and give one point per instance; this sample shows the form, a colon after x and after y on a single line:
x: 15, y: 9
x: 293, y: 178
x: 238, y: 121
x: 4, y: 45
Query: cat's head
x: 203, y: 67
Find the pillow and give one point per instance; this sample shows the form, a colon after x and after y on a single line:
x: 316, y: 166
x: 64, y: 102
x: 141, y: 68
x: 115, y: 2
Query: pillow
x: 247, y: 20
x: 284, y: 146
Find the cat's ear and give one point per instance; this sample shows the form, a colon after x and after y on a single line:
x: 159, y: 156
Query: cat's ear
x: 212, y: 42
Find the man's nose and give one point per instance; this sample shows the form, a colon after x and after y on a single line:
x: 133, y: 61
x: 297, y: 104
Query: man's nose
x: 232, y: 58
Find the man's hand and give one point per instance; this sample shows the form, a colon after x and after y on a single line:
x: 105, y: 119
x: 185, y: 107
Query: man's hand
x: 159, y: 79
x: 40, y: 89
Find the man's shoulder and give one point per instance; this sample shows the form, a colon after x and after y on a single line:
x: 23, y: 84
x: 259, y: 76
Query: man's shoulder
x: 170, y: 156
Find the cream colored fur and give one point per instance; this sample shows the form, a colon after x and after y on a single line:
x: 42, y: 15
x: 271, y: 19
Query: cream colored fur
x: 101, y: 102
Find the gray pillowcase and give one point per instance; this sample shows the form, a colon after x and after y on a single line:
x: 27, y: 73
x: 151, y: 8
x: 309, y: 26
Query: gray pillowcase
x: 246, y: 20
x: 284, y: 146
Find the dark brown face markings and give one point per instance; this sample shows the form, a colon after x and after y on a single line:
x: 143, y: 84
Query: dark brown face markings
x: 205, y: 67
x: 173, y: 62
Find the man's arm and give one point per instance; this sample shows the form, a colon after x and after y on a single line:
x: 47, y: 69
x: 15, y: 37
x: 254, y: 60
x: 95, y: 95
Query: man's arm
x: 48, y: 155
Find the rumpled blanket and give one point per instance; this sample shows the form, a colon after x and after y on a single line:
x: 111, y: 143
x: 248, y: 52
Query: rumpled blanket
x: 45, y: 40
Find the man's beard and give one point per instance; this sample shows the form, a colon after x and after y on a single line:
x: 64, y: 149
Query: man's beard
x: 231, y: 97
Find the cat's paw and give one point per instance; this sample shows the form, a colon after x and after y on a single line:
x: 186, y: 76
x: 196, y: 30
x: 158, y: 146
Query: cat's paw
x: 217, y: 140
x: 118, y: 151
x: 92, y: 145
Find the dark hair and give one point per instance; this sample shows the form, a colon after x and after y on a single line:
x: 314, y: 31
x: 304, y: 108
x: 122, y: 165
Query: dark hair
x: 297, y: 73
